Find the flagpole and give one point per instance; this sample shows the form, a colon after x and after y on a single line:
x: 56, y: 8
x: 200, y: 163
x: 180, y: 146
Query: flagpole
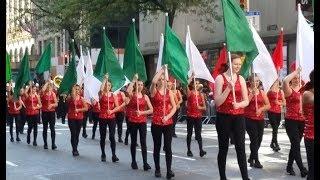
x: 107, y: 93
x: 194, y: 78
x: 231, y: 74
x: 278, y: 70
x: 165, y: 90
x: 255, y: 87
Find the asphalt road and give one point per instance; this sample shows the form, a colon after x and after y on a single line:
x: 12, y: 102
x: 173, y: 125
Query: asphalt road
x: 27, y: 162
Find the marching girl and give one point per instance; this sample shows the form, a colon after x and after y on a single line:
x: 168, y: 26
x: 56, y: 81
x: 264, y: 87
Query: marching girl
x: 164, y: 107
x: 254, y: 113
x: 277, y: 100
x: 76, y: 107
x: 108, y: 107
x: 308, y: 111
x: 195, y: 108
x: 49, y: 104
x: 95, y: 116
x: 138, y: 109
x: 294, y: 120
x: 33, y: 106
x: 230, y: 115
x: 178, y: 99
x: 14, y: 107
x: 120, y: 114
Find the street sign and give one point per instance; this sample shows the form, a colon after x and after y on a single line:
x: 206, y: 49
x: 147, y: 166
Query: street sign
x: 254, y: 19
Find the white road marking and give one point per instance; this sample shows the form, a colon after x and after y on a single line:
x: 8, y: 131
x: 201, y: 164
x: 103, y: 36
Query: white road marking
x: 11, y: 164
x: 179, y: 157
x: 41, y: 177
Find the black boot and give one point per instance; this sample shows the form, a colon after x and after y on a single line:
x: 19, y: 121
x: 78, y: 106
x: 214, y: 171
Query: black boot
x: 202, y: 153
x: 304, y: 172
x: 189, y: 153
x: 115, y: 158
x: 45, y: 146
x: 250, y: 161
x: 170, y: 174
x: 157, y: 173
x: 290, y: 171
x: 134, y: 165
x: 257, y: 164
x: 103, y: 158
x: 146, y: 166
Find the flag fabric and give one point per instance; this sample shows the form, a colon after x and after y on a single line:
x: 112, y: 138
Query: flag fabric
x: 238, y: 34
x: 159, y: 62
x: 263, y: 64
x: 8, y: 67
x: 107, y: 63
x: 44, y: 63
x: 277, y: 55
x: 23, y: 75
x: 70, y: 77
x: 174, y: 55
x: 197, y: 64
x: 80, y: 69
x: 304, y: 46
x: 133, y: 61
x: 91, y: 84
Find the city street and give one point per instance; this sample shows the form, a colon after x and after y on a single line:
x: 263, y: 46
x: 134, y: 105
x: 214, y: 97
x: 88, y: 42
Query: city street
x: 31, y: 163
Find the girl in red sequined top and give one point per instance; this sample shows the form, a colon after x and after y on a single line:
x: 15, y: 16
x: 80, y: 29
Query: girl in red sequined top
x: 138, y: 108
x: 195, y: 107
x: 254, y: 113
x: 14, y: 106
x: 230, y: 114
x: 172, y: 85
x: 294, y: 120
x: 76, y: 107
x: 164, y: 107
x: 277, y: 100
x: 108, y: 107
x: 308, y: 111
x: 120, y: 114
x: 49, y: 104
x: 33, y: 106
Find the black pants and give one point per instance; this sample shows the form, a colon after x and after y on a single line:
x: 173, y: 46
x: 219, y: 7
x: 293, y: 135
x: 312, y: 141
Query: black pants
x: 95, y: 118
x: 16, y: 118
x: 157, y: 132
x: 175, y: 119
x: 225, y: 124
x: 309, y: 143
x: 274, y: 119
x: 197, y: 124
x: 48, y: 118
x: 84, y: 122
x: 128, y: 128
x: 294, y: 130
x: 103, y: 123
x: 255, y: 131
x: 119, y: 120
x: 75, y: 127
x: 23, y: 119
x: 142, y: 128
x: 32, y: 124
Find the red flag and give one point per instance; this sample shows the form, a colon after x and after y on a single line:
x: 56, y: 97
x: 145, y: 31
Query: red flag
x: 277, y: 55
x: 222, y: 59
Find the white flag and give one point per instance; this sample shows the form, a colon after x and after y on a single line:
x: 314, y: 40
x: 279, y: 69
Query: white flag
x: 80, y: 69
x: 304, y: 46
x: 159, y: 63
x: 263, y: 63
x: 91, y: 84
x: 89, y: 69
x: 196, y: 61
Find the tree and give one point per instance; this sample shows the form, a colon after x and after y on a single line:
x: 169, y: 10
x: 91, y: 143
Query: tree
x: 206, y: 10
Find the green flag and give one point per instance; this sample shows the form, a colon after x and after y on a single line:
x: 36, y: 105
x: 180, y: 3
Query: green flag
x: 174, y: 54
x: 70, y: 77
x: 23, y: 75
x: 107, y: 62
x: 238, y: 34
x: 44, y: 63
x: 133, y: 60
x: 8, y: 67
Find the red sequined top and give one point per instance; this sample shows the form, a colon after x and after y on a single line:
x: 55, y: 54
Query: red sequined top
x: 104, y: 100
x: 250, y: 110
x: 96, y: 107
x: 72, y: 105
x: 132, y: 109
x: 11, y: 108
x: 192, y: 108
x: 293, y: 107
x: 226, y: 107
x: 308, y: 110
x: 120, y: 101
x: 272, y: 96
x: 161, y: 106
x: 30, y: 102
x: 46, y: 99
